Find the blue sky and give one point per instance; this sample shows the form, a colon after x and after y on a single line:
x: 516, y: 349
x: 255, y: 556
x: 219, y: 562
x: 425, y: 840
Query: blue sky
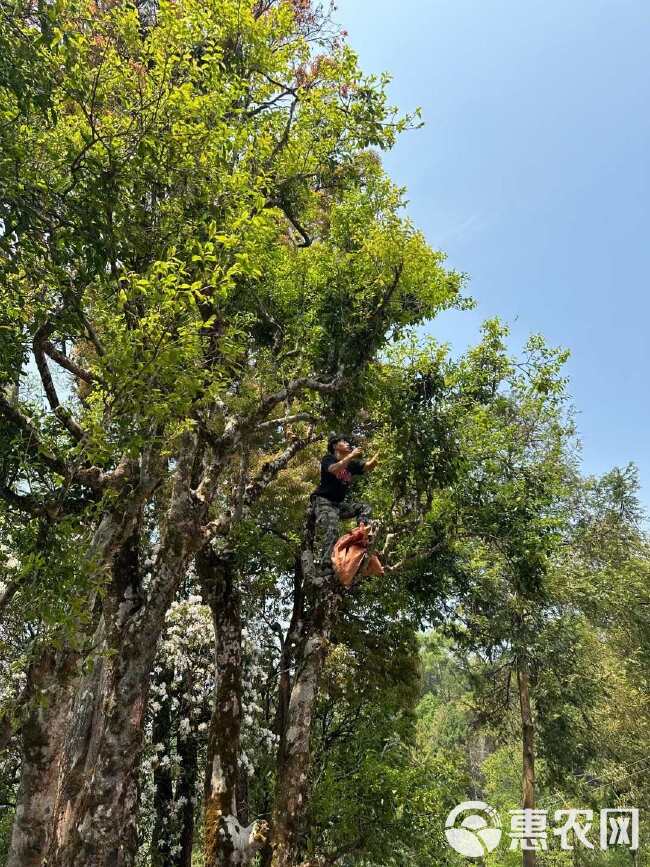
x: 533, y: 174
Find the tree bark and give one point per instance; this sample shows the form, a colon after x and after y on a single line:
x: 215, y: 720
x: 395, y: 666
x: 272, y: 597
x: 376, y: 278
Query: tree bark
x: 54, y: 680
x: 227, y: 841
x: 96, y: 817
x: 323, y: 596
x: 186, y: 786
x: 50, y: 681
x: 529, y: 857
x: 288, y: 649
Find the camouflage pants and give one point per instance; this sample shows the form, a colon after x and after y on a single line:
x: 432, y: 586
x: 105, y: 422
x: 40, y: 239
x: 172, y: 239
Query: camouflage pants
x: 326, y: 516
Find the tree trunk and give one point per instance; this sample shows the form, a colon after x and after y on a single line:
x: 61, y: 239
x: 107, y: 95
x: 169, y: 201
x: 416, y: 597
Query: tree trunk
x: 227, y: 842
x: 50, y: 682
x: 529, y: 857
x: 186, y: 786
x: 288, y: 650
x: 96, y: 816
x: 54, y: 680
x: 323, y: 595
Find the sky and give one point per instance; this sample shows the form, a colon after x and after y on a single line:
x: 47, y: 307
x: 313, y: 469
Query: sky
x: 533, y: 174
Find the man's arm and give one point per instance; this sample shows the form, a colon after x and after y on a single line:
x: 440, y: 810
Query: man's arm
x: 354, y: 454
x: 372, y: 463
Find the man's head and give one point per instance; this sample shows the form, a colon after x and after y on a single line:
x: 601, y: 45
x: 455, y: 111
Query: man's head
x: 339, y: 445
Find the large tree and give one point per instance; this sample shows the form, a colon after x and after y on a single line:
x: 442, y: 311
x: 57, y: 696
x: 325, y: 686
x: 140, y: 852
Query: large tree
x: 197, y: 250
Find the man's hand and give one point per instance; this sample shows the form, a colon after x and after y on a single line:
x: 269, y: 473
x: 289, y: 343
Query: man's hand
x: 372, y: 463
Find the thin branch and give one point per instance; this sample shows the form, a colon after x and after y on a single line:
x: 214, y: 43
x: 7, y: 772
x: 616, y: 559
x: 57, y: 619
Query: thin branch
x: 256, y: 487
x: 68, y: 363
x: 50, y: 391
x: 93, y: 337
x: 271, y: 468
x: 288, y: 213
x: 94, y: 477
x: 282, y: 143
x: 305, y: 383
x: 10, y: 591
x: 241, y: 484
x: 289, y: 91
x: 413, y: 558
x: 287, y: 419
x: 388, y: 294
x: 237, y: 426
x: 269, y: 528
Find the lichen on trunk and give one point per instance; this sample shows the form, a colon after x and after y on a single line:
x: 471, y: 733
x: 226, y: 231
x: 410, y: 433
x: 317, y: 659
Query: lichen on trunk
x: 227, y: 841
x: 50, y: 679
x: 96, y: 814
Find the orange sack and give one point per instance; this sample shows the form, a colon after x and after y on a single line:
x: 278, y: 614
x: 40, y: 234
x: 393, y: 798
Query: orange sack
x: 350, y: 556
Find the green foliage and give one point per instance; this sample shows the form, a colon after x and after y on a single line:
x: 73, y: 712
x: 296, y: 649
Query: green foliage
x: 379, y: 798
x: 212, y: 225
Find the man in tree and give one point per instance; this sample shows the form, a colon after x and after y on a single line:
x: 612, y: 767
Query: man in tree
x: 328, y: 504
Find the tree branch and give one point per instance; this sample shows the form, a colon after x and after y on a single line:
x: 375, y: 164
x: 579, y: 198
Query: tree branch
x: 9, y: 592
x: 390, y: 291
x: 237, y: 426
x: 271, y: 469
x: 30, y: 434
x: 93, y: 337
x: 282, y: 142
x: 94, y: 477
x: 68, y: 363
x: 24, y: 502
x: 256, y: 487
x: 308, y: 383
x: 287, y: 419
x: 289, y: 91
x: 98, y: 479
x: 40, y: 338
x: 288, y: 213
x: 413, y: 558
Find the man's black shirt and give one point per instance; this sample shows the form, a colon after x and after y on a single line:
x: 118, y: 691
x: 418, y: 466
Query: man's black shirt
x: 333, y: 486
